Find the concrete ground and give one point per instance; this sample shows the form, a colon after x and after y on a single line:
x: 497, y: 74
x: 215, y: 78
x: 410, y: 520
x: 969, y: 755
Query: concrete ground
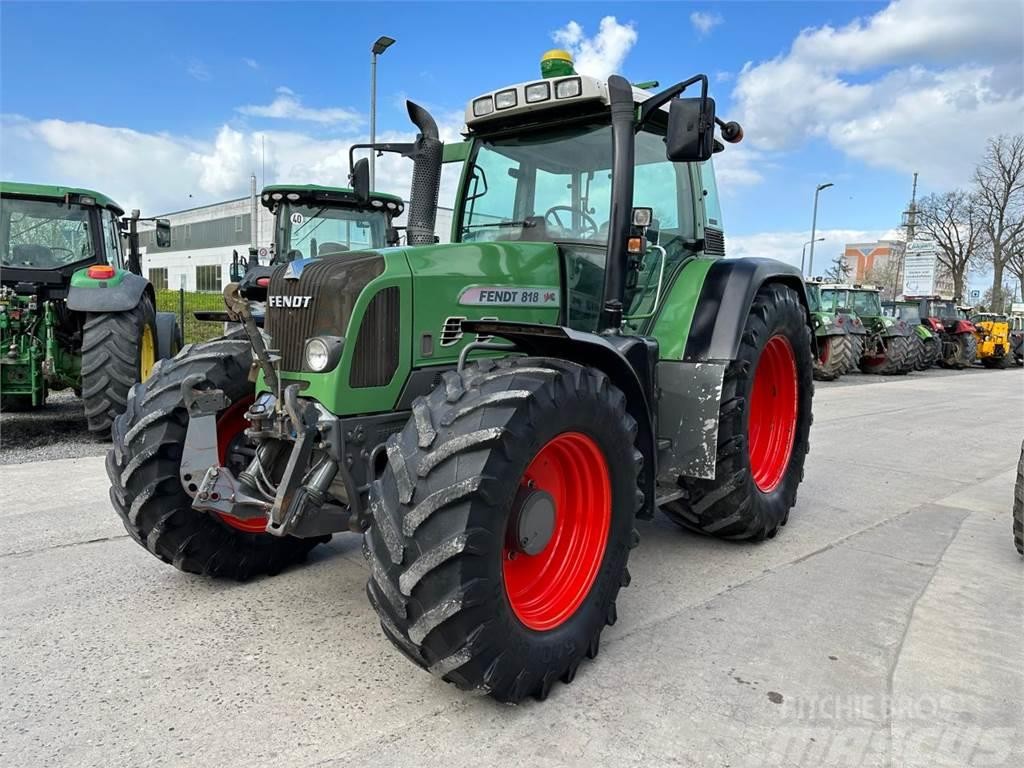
x: 882, y: 627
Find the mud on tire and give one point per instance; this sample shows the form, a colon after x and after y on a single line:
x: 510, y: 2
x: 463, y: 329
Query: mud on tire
x: 441, y: 510
x: 112, y: 360
x: 146, y: 490
x: 732, y: 506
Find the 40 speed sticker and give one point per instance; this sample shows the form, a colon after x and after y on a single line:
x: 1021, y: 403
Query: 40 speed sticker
x: 508, y: 296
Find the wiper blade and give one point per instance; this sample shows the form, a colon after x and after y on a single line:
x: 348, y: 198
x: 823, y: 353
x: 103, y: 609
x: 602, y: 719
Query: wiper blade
x: 499, y: 224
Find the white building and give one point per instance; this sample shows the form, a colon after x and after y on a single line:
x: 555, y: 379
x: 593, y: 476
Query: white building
x: 204, y: 238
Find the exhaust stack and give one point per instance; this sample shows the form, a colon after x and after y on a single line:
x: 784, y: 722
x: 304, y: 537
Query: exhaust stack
x: 426, y: 178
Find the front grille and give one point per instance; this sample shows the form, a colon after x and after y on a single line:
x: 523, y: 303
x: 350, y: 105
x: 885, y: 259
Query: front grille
x: 332, y: 284
x: 375, y: 359
x: 714, y: 242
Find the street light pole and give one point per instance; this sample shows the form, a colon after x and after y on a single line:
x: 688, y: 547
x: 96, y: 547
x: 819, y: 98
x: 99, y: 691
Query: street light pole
x: 803, y: 253
x: 381, y: 45
x: 814, y: 223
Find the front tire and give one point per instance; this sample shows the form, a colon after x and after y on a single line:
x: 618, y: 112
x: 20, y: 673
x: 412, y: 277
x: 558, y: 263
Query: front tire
x: 764, y: 424
x: 118, y: 350
x: 145, y: 487
x: 454, y: 578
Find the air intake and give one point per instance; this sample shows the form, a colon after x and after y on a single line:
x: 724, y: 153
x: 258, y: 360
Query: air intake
x: 375, y: 359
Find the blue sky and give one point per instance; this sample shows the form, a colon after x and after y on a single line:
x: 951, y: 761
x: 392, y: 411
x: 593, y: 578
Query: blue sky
x: 167, y: 105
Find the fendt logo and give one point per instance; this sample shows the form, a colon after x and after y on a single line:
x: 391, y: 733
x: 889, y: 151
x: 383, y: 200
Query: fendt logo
x: 290, y: 302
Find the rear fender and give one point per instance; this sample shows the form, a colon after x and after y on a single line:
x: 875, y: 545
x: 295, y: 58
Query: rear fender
x: 725, y: 298
x: 628, y: 361
x: 962, y: 326
x: 115, y: 296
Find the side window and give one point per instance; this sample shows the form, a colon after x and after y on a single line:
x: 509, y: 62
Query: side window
x: 112, y: 240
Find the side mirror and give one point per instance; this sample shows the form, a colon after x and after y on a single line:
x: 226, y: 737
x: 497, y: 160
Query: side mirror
x: 360, y: 179
x: 691, y: 130
x: 163, y: 233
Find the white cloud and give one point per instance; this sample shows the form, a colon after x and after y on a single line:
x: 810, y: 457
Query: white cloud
x: 603, y: 54
x: 705, y: 21
x: 916, y: 86
x: 738, y: 166
x: 786, y: 246
x: 159, y: 172
x: 198, y: 70
x: 288, y: 106
x: 250, y: 63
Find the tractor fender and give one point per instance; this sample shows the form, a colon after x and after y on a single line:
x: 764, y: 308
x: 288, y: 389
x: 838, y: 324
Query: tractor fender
x: 961, y: 326
x: 725, y: 298
x: 628, y: 361
x: 109, y: 297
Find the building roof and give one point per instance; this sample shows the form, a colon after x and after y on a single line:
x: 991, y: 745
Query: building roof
x: 53, y: 192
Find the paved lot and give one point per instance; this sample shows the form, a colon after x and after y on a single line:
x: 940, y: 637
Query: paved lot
x: 882, y: 627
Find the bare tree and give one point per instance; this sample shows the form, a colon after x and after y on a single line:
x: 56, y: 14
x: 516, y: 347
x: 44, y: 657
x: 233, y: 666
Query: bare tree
x: 999, y: 186
x: 885, y: 275
x: 953, y: 220
x: 839, y: 272
x: 1015, y: 262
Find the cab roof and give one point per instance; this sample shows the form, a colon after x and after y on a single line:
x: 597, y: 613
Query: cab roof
x: 59, y: 194
x: 342, y: 196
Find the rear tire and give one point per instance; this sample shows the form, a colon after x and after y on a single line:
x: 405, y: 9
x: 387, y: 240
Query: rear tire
x: 856, y: 352
x: 734, y: 505
x: 443, y: 577
x: 932, y: 353
x: 965, y: 351
x: 898, y: 360
x: 833, y: 355
x: 145, y: 487
x: 114, y: 358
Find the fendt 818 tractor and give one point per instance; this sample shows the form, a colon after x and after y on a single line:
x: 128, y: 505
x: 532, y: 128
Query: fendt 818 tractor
x: 888, y: 345
x: 495, y: 413
x: 954, y: 330
x: 836, y: 333
x: 74, y: 310
x: 992, y: 336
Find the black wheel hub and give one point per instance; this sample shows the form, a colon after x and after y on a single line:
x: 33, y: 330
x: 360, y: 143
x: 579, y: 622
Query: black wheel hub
x: 533, y: 520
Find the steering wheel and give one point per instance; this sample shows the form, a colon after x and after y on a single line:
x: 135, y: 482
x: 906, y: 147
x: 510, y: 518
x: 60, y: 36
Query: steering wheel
x: 589, y: 229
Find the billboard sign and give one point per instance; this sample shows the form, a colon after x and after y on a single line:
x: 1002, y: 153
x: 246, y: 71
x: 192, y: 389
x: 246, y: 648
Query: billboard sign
x: 920, y: 261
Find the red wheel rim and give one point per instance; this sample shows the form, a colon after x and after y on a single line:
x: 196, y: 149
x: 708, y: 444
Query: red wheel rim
x: 771, y: 422
x: 826, y: 350
x: 545, y: 589
x: 230, y: 426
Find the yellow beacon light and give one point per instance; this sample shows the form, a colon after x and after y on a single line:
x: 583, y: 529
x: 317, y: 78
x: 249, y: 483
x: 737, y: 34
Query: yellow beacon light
x: 556, y: 63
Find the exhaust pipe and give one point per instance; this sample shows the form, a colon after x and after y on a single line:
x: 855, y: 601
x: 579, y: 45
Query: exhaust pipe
x: 426, y: 177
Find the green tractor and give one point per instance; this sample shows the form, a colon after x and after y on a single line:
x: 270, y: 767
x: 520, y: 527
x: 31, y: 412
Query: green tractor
x: 888, y: 345
x: 311, y: 222
x: 75, y: 312
x: 836, y: 332
x: 494, y: 414
x: 927, y: 345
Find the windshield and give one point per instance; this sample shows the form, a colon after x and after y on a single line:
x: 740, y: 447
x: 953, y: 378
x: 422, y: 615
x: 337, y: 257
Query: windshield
x: 867, y: 303
x: 38, y: 234
x: 909, y: 312
x: 309, y: 232
x: 941, y: 309
x: 833, y: 300
x: 814, y: 297
x: 554, y: 185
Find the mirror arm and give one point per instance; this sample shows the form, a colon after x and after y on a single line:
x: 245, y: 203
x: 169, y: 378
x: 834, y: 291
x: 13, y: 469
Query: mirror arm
x: 406, y: 150
x: 662, y: 98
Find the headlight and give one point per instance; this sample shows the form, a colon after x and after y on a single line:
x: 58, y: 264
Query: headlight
x: 483, y: 106
x: 322, y: 353
x: 505, y: 99
x: 538, y: 92
x: 566, y: 89
x: 317, y: 355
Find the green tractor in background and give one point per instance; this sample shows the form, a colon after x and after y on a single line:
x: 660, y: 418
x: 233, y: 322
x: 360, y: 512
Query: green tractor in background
x: 75, y: 312
x: 837, y: 333
x: 494, y: 414
x: 888, y: 346
x: 310, y: 222
x: 928, y: 345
